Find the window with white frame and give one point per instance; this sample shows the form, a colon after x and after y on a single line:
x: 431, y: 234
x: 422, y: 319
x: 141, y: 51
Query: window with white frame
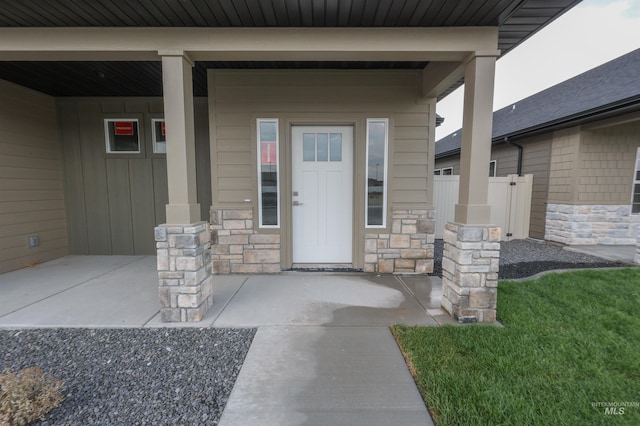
x: 159, y: 134
x: 437, y: 172
x: 447, y: 171
x: 268, y: 182
x: 376, y: 189
x: 492, y: 168
x: 635, y: 200
x: 122, y: 135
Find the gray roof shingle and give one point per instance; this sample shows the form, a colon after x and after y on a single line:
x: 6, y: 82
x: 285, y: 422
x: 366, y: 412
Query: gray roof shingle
x: 613, y: 85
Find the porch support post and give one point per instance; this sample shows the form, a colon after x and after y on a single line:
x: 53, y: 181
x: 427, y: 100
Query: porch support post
x: 475, y: 152
x: 183, y: 244
x: 471, y: 245
x: 177, y: 84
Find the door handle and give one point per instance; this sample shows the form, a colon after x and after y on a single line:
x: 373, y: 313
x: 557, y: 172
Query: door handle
x: 297, y: 203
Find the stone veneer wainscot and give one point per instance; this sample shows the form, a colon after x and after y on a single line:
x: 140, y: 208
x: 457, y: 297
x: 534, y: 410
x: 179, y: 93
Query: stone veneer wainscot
x: 590, y: 224
x: 237, y: 248
x: 409, y: 246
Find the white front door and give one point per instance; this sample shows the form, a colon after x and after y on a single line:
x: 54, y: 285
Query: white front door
x: 322, y: 185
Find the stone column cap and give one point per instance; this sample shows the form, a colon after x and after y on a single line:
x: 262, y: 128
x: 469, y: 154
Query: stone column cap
x: 170, y: 225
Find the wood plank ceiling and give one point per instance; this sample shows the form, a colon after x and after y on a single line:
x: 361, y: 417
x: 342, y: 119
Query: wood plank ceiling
x: 517, y: 20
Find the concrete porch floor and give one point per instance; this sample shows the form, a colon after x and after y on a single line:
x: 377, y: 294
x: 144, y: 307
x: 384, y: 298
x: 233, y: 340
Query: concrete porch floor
x: 122, y: 291
x: 323, y: 352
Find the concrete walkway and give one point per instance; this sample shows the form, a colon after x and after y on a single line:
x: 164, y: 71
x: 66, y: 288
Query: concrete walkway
x: 323, y: 352
x: 324, y: 376
x: 624, y: 254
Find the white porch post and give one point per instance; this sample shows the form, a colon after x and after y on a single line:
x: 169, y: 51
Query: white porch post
x: 184, y: 243
x: 471, y: 245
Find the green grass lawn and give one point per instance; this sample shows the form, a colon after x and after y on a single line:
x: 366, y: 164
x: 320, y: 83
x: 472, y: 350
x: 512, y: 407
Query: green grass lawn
x: 569, y: 340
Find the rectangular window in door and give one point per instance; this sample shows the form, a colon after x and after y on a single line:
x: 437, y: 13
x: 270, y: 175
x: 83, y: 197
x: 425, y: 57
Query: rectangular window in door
x: 268, y: 185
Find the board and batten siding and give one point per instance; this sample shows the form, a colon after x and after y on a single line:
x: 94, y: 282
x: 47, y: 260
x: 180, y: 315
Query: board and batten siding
x: 238, y: 97
x: 114, y: 201
x: 31, y: 179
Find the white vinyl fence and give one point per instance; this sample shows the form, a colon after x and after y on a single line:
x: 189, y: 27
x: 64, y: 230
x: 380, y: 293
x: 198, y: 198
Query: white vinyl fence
x: 509, y: 198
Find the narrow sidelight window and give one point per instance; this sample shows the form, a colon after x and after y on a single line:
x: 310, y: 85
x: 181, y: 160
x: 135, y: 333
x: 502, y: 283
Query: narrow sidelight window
x: 377, y: 145
x: 268, y: 205
x: 635, y: 200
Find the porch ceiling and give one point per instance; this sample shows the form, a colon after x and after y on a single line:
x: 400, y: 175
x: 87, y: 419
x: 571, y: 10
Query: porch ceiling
x: 516, y: 19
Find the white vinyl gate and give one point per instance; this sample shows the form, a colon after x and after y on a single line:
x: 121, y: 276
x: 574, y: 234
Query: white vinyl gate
x: 509, y: 198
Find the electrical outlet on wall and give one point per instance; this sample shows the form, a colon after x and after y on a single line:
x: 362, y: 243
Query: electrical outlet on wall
x: 34, y: 241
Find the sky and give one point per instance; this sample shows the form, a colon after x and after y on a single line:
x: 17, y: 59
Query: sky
x: 590, y: 34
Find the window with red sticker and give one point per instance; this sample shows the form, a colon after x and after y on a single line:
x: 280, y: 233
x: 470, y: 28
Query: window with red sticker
x: 122, y: 136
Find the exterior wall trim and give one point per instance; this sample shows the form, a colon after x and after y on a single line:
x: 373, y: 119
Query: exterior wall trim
x: 240, y: 44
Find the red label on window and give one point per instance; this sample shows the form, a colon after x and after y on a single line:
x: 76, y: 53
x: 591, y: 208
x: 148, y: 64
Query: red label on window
x: 268, y: 154
x: 123, y: 128
x: 164, y: 130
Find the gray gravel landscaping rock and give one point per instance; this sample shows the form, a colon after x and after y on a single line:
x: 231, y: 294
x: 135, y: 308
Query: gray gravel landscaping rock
x: 133, y: 376
x: 523, y: 258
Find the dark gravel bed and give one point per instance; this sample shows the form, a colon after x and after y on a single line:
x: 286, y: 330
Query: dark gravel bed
x: 133, y: 376
x: 523, y: 258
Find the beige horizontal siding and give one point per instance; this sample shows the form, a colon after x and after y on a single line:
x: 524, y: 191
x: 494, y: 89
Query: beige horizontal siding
x: 506, y: 158
x: 412, y: 147
x: 451, y: 161
x: 31, y: 179
x: 409, y: 171
x: 238, y: 97
x: 10, y: 230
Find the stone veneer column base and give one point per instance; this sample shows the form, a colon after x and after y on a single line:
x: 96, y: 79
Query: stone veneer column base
x: 470, y: 265
x: 184, y: 271
x: 237, y: 248
x: 408, y: 248
x: 590, y: 224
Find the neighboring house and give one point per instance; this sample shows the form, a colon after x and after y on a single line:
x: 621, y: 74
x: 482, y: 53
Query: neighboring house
x: 297, y: 135
x: 581, y: 141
